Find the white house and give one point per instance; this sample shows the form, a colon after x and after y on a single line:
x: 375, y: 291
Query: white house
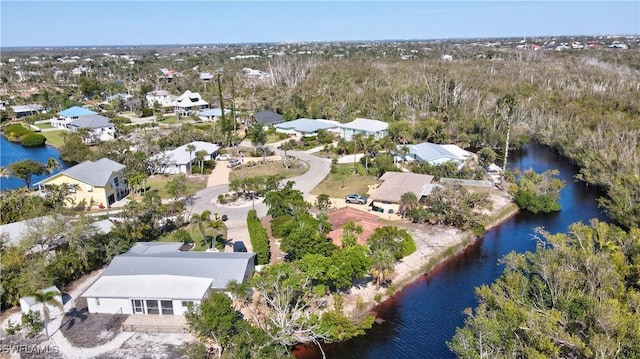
x: 100, y: 128
x: 436, y: 154
x: 163, y: 97
x: 213, y: 114
x: 188, y: 103
x: 387, y: 196
x: 306, y: 126
x: 156, y: 278
x: 367, y: 127
x: 71, y: 114
x: 179, y: 160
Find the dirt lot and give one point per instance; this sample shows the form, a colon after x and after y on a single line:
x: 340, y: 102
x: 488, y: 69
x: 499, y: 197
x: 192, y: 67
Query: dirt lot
x: 87, y: 330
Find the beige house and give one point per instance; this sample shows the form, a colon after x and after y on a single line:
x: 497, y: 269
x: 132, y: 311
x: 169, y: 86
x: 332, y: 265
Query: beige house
x: 386, y: 198
x: 98, y: 183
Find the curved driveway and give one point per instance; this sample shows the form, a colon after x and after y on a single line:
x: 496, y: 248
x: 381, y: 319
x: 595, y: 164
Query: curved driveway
x: 237, y: 222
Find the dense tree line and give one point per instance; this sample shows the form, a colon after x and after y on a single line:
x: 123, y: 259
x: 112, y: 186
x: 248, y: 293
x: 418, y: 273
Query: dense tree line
x: 576, y: 296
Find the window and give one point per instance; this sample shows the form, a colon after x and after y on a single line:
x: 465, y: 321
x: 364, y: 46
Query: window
x: 152, y: 307
x: 166, y: 306
x: 185, y: 303
x: 115, y: 180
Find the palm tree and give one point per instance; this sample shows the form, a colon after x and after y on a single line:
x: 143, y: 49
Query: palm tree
x: 368, y: 145
x: 216, y: 227
x: 408, y: 202
x: 52, y: 165
x: 287, y: 146
x: 200, y: 156
x: 190, y: 148
x: 200, y: 221
x: 382, y: 264
x: 47, y: 299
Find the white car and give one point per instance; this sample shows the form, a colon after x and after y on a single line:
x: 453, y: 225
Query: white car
x: 223, y: 157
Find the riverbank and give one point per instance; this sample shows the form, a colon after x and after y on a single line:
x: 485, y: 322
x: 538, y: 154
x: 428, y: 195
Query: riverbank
x: 434, y: 245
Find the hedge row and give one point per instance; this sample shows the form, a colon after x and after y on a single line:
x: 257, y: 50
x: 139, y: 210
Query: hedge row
x: 27, y: 137
x: 259, y: 238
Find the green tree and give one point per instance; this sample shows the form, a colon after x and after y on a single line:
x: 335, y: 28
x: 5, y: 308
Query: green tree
x: 574, y: 297
x: 538, y: 192
x: 306, y: 237
x: 287, y: 201
x: 382, y: 266
x: 395, y: 240
x: 487, y: 156
x: 74, y: 149
x: 47, y: 299
x: 25, y: 169
x: 213, y: 318
x: 201, y: 222
x: 323, y: 202
x: 259, y: 139
x: 408, y: 202
x: 287, y: 146
x: 177, y: 187
x: 200, y: 156
x: 190, y: 148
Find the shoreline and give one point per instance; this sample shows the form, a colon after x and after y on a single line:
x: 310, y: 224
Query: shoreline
x: 434, y: 246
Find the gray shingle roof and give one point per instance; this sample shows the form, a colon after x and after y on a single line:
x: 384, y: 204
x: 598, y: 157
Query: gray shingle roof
x: 91, y: 121
x: 94, y: 173
x: 365, y: 124
x: 397, y: 183
x: 163, y: 259
x: 268, y: 117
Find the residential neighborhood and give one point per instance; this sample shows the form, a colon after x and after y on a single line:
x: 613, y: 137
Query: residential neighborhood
x: 205, y: 195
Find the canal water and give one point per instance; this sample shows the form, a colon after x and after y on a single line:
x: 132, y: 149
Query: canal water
x: 421, y: 318
x: 11, y: 152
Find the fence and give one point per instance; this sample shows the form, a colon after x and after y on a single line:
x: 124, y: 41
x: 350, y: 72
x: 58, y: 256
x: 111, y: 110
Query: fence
x: 465, y: 182
x: 115, y: 320
x: 147, y: 328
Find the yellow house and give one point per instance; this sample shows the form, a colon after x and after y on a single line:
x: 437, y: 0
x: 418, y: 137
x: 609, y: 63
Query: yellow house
x: 91, y: 183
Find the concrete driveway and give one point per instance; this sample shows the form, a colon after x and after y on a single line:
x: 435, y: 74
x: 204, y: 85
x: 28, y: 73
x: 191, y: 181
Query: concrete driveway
x: 237, y: 222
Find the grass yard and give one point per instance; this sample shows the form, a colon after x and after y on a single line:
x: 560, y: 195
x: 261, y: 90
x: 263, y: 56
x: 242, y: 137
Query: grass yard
x: 343, y: 182
x: 276, y: 137
x: 43, y: 125
x: 169, y: 120
x: 270, y: 169
x: 159, y: 183
x: 54, y: 138
x: 196, y: 236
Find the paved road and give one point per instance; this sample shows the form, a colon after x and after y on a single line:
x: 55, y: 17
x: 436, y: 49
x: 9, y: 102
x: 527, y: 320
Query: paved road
x: 237, y: 222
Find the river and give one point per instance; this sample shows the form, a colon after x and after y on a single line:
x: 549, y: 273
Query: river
x: 11, y: 152
x: 421, y: 318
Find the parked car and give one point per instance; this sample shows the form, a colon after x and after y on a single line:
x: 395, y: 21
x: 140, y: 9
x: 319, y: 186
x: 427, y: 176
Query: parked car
x: 355, y: 198
x: 223, y: 157
x: 239, y: 246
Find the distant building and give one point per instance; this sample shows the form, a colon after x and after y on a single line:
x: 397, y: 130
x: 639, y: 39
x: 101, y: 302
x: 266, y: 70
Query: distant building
x: 364, y: 126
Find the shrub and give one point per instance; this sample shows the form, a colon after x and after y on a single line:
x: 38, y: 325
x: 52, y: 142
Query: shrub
x: 12, y: 328
x: 278, y: 225
x: 15, y: 132
x: 146, y: 112
x: 222, y: 199
x: 33, y: 140
x: 259, y: 238
x: 408, y: 247
x: 32, y: 322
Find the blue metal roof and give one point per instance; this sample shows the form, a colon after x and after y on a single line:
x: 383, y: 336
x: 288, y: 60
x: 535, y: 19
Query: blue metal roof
x: 305, y: 125
x: 76, y: 111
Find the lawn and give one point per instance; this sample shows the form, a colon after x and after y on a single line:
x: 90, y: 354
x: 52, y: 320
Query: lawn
x: 169, y: 120
x: 159, y: 183
x: 54, y: 138
x: 343, y: 182
x: 276, y: 137
x: 43, y: 125
x: 196, y: 236
x: 270, y: 169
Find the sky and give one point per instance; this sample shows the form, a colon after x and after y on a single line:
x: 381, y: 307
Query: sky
x: 101, y: 23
